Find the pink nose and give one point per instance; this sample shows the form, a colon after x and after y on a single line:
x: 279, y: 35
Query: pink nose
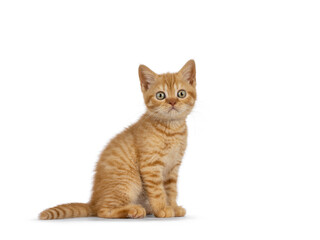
x: 172, y: 101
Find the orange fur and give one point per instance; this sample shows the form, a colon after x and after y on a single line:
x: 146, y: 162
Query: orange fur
x: 138, y: 170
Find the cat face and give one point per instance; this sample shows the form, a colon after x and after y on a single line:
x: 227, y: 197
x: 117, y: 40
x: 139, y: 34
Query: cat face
x: 169, y: 96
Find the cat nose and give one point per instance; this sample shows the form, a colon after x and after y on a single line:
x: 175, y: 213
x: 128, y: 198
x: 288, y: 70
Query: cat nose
x: 171, y: 101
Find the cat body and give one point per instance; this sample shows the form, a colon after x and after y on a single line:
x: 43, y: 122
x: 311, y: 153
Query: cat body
x: 137, y: 171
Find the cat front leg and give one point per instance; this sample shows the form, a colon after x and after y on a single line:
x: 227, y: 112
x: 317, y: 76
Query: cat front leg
x: 170, y: 185
x: 152, y: 177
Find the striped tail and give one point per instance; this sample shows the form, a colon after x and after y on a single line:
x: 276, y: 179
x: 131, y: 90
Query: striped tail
x: 69, y: 210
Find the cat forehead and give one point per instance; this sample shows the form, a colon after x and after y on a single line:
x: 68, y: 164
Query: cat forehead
x: 169, y: 81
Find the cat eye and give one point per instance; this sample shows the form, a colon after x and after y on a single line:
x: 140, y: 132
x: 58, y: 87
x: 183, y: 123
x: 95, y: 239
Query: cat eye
x: 182, y: 94
x: 160, y: 95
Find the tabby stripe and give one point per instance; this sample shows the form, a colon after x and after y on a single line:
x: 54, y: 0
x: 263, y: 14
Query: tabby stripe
x: 59, y: 212
x: 170, y: 180
x: 64, y: 213
x: 157, y: 195
x: 171, y: 188
x: 122, y: 149
x: 149, y: 98
x: 119, y: 166
x: 73, y: 210
x: 156, y: 124
x: 192, y: 94
x: 53, y: 213
x: 154, y: 182
x: 152, y: 175
x: 152, y: 164
x: 170, y: 134
x: 119, y: 157
x: 161, y: 154
x: 176, y: 165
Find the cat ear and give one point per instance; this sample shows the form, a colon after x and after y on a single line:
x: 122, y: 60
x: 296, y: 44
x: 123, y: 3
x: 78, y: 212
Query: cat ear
x: 188, y: 72
x: 147, y: 77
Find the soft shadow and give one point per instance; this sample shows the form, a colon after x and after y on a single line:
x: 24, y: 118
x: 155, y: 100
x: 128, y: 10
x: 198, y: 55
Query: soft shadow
x: 97, y: 219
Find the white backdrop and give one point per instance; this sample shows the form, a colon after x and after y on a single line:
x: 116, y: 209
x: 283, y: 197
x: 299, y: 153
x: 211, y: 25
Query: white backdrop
x: 251, y: 170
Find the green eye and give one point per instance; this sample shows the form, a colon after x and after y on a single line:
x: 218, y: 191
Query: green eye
x: 160, y: 95
x: 182, y: 94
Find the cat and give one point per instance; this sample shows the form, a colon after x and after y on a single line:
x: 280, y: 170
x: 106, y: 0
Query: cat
x: 137, y: 172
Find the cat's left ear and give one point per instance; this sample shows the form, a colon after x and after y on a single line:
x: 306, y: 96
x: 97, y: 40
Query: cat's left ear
x: 147, y: 77
x: 188, y: 72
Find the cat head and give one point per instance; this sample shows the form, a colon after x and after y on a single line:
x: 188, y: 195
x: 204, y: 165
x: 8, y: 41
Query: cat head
x: 169, y: 96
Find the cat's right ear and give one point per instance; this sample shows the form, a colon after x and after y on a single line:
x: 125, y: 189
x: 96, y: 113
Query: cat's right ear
x: 147, y: 77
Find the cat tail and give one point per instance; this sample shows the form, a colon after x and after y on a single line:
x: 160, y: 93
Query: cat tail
x: 69, y: 210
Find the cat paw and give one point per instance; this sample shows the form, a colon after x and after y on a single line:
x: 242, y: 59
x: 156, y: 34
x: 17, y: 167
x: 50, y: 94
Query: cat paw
x: 179, y: 211
x: 136, y: 212
x: 166, y: 212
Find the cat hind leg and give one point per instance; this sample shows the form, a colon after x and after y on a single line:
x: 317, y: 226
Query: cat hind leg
x: 127, y: 211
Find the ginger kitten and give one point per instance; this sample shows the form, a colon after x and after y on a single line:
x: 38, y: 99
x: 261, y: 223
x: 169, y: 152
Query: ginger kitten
x: 138, y: 170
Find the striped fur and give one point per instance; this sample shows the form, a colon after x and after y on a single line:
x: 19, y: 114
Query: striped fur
x: 137, y: 172
x: 68, y: 210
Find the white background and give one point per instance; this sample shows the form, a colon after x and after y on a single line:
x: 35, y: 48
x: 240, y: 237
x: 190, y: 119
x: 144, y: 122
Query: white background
x: 69, y: 83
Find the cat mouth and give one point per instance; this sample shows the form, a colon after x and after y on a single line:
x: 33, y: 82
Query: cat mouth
x: 173, y: 108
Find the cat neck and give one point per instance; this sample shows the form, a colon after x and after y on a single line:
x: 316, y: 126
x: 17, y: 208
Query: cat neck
x: 167, y: 123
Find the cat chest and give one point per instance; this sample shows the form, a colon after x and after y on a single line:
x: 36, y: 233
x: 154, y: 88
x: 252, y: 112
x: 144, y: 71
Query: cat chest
x: 171, y: 158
